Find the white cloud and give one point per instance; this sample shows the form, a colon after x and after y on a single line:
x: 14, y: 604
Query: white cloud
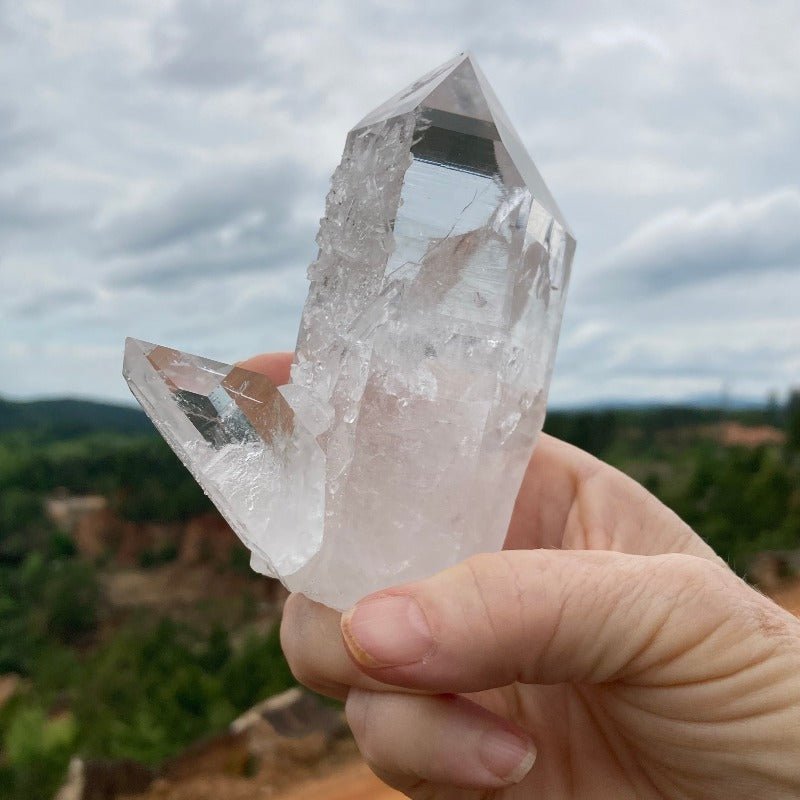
x: 602, y: 40
x: 206, y: 45
x: 683, y: 247
x: 635, y: 176
x: 163, y: 166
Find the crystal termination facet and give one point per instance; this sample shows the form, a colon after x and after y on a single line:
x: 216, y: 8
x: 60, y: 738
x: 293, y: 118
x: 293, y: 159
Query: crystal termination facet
x: 422, y: 364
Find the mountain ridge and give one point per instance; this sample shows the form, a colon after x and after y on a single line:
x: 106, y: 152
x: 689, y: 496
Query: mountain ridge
x: 65, y: 416
x: 68, y: 416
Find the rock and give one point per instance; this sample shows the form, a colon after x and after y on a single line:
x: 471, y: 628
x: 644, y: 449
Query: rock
x: 104, y: 780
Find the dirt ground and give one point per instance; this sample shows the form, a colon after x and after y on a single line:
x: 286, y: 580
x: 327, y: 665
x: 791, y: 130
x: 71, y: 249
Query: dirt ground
x: 354, y: 782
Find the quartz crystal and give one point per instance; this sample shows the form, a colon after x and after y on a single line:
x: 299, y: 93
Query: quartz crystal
x: 422, y: 364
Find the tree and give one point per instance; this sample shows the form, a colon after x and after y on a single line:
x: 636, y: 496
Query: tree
x: 793, y: 421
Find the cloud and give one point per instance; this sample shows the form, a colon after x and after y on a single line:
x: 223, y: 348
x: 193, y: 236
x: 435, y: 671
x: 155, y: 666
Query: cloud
x: 6, y: 30
x: 15, y: 138
x: 206, y: 203
x: 682, y: 247
x: 58, y: 299
x: 678, y: 358
x: 217, y: 260
x: 211, y: 226
x: 28, y: 210
x: 163, y: 166
x: 206, y: 45
x: 633, y: 176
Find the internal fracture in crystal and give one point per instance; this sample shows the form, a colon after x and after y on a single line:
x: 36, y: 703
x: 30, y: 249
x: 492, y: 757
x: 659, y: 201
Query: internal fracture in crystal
x: 422, y: 365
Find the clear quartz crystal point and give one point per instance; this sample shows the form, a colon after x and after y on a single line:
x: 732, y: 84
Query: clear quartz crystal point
x: 422, y: 365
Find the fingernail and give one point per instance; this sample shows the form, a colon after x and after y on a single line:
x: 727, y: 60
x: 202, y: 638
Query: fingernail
x: 506, y: 755
x: 387, y: 632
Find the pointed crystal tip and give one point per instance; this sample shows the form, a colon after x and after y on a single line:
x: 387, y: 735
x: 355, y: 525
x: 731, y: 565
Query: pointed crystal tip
x: 457, y: 97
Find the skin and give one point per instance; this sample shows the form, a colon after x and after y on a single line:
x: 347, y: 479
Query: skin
x: 607, y: 641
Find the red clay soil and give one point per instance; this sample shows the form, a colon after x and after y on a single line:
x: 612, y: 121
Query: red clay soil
x: 349, y: 779
x: 353, y: 782
x: 734, y: 434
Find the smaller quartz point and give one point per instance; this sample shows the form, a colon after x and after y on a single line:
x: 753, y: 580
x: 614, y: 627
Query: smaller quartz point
x: 422, y: 365
x: 240, y: 439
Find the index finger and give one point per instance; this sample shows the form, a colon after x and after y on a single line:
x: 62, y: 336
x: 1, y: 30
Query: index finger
x: 274, y: 365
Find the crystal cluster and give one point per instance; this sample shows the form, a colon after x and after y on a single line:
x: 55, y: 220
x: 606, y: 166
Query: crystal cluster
x: 422, y: 364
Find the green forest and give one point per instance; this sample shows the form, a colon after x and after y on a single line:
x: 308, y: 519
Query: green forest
x: 148, y: 687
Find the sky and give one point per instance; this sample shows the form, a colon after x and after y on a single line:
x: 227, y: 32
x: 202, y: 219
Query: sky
x: 164, y: 165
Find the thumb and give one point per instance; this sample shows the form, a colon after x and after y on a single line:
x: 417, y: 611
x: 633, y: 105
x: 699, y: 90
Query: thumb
x: 549, y: 616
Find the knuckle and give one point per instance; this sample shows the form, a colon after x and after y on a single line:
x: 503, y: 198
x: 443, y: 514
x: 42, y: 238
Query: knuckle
x: 700, y: 581
x: 720, y: 591
x: 499, y: 604
x: 489, y: 577
x: 494, y: 576
x: 702, y: 572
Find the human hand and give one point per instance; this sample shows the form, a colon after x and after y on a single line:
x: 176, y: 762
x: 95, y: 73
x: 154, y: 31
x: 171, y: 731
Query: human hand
x: 607, y: 641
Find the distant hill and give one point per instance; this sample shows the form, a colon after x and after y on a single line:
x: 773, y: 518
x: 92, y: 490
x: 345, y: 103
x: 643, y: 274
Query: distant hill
x: 65, y: 418
x: 711, y: 401
x: 597, y: 429
x: 590, y: 427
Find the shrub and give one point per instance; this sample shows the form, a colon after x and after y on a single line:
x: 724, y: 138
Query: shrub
x: 38, y: 751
